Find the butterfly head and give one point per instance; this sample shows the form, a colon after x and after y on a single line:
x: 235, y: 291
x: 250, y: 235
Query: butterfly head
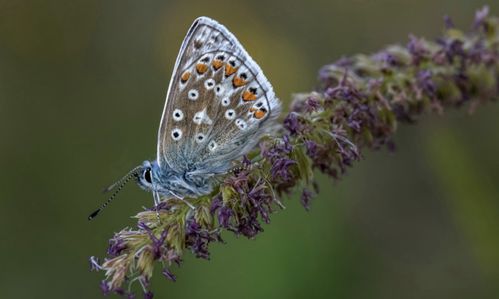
x: 148, y: 175
x: 145, y: 176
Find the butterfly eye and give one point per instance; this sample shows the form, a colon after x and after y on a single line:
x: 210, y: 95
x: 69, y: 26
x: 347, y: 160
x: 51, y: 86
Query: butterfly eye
x: 147, y: 175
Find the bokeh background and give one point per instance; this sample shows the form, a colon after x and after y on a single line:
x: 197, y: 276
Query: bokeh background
x: 82, y: 85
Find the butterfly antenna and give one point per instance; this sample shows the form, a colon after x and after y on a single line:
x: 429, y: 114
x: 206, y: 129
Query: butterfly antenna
x: 120, y: 181
x: 119, y: 184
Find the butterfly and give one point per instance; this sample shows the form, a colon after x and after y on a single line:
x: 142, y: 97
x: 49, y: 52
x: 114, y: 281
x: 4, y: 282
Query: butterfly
x: 218, y: 105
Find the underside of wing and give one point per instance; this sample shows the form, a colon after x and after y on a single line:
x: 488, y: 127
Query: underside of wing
x: 218, y: 105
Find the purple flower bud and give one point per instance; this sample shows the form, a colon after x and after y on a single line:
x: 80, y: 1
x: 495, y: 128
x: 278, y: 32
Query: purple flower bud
x: 165, y: 205
x: 148, y: 295
x: 280, y: 168
x: 344, y: 91
x: 260, y: 200
x: 249, y: 227
x: 452, y: 48
x: 286, y: 147
x: 246, y: 161
x: 354, y: 123
x: 169, y: 275
x: 116, y: 246
x: 197, y: 239
x: 216, y: 204
x: 104, y: 287
x: 387, y: 59
x: 172, y: 256
x: 480, y: 17
x: 345, y: 62
x: 306, y: 198
x: 417, y: 49
x: 402, y: 114
x: 292, y: 123
x: 426, y: 83
x: 94, y: 264
x: 224, y: 216
x: 312, y: 104
x: 477, y: 53
x: 449, y: 24
x: 192, y: 227
x: 311, y: 147
x: 157, y: 243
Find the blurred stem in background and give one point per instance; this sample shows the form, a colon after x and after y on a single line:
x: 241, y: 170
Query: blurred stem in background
x: 470, y: 197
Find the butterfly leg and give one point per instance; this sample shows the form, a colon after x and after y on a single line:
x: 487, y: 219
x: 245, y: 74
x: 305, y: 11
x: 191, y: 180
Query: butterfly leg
x: 157, y: 198
x: 157, y: 201
x: 183, y: 200
x: 189, y: 204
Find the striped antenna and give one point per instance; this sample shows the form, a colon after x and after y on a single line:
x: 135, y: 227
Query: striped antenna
x: 120, y: 181
x: 120, y: 184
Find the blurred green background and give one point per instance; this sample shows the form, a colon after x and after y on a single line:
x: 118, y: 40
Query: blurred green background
x: 82, y: 85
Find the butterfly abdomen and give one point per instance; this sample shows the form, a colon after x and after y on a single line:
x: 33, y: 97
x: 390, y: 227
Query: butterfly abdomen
x: 172, y: 183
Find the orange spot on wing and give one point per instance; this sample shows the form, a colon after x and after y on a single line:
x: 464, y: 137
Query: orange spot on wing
x: 260, y: 114
x: 229, y: 70
x: 217, y: 64
x: 238, y: 81
x: 185, y: 76
x: 249, y: 96
x: 201, y: 68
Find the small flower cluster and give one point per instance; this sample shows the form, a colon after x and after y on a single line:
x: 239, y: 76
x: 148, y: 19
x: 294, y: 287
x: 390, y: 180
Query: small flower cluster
x: 357, y: 106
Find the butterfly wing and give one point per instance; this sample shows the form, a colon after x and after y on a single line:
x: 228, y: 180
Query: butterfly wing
x: 218, y: 103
